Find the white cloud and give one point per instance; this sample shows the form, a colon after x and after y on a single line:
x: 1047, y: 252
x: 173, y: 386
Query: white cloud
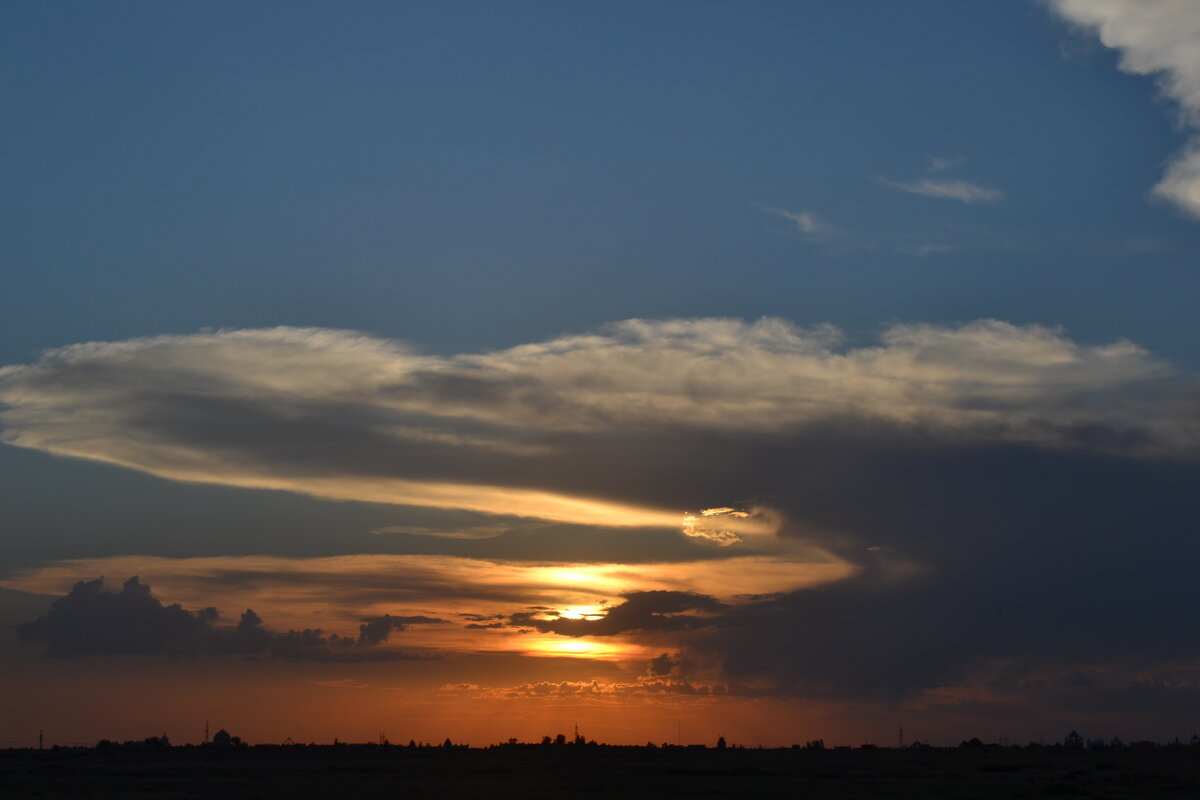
x: 342, y: 415
x: 940, y: 164
x: 949, y: 189
x: 1156, y: 37
x: 805, y: 221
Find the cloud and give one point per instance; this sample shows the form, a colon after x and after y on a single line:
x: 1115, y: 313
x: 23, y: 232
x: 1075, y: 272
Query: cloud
x: 1155, y: 37
x: 920, y: 507
x: 942, y: 164
x: 92, y: 621
x: 720, y: 525
x: 470, y: 532
x: 375, y: 630
x: 347, y: 594
x: 922, y: 250
x: 588, y: 689
x: 806, y: 222
x: 974, y: 555
x: 948, y: 189
x: 662, y: 665
x: 656, y: 610
x: 520, y: 431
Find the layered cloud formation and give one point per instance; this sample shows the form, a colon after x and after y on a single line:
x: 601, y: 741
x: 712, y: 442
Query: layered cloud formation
x: 347, y: 416
x: 1156, y: 37
x: 981, y: 503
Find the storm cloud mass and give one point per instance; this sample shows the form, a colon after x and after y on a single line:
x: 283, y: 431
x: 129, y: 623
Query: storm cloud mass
x: 1000, y: 497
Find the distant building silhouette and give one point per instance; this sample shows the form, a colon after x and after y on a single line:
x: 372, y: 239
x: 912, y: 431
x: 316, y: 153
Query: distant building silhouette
x: 1073, y: 741
x: 222, y: 739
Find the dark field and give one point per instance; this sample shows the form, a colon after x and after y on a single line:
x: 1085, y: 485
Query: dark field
x: 556, y: 772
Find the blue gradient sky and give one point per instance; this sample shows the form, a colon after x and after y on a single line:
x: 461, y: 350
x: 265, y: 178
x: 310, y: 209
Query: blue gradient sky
x: 470, y: 175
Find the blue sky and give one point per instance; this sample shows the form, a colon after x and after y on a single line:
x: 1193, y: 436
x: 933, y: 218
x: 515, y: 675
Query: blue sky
x: 469, y: 176
x: 673, y: 355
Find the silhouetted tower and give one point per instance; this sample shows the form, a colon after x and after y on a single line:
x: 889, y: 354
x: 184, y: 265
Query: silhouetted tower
x: 901, y: 737
x: 206, y: 731
x: 39, y: 740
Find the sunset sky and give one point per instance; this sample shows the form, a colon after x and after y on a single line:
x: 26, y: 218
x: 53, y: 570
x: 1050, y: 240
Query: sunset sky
x: 780, y: 370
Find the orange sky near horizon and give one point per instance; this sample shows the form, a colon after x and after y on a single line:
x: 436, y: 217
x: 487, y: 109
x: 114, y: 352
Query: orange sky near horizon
x: 123, y: 697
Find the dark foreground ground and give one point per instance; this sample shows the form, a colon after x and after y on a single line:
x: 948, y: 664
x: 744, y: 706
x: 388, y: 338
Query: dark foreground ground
x: 534, y: 772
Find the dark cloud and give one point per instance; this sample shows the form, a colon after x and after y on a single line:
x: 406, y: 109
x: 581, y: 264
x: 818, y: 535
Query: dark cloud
x: 249, y: 636
x: 662, y: 665
x: 92, y: 621
x: 576, y: 689
x: 656, y: 610
x: 375, y: 630
x: 1040, y: 558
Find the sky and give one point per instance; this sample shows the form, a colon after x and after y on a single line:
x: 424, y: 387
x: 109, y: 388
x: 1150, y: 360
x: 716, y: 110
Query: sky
x: 771, y: 370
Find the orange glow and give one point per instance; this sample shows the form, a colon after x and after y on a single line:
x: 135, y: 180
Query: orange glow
x: 336, y: 593
x: 582, y: 612
x: 585, y: 646
x: 471, y: 497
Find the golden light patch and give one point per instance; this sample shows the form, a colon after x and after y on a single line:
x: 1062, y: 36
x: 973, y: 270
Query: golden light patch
x: 581, y: 647
x: 583, y: 612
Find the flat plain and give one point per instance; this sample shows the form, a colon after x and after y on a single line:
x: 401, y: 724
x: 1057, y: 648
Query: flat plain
x: 597, y: 771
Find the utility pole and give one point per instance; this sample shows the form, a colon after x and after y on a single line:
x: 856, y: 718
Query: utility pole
x: 205, y: 732
x: 901, y: 737
x: 39, y: 740
x: 679, y: 733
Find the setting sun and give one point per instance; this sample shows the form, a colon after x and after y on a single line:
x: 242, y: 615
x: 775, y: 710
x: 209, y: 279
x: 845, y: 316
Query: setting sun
x: 583, y: 647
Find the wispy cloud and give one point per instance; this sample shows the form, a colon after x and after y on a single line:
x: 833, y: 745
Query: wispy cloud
x: 805, y: 221
x: 942, y: 164
x: 1156, y: 38
x: 923, y: 250
x: 948, y: 189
